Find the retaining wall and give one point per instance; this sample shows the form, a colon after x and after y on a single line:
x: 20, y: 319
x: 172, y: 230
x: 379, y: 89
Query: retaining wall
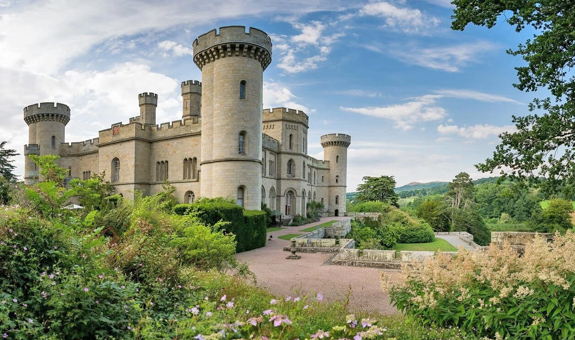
x: 517, y: 239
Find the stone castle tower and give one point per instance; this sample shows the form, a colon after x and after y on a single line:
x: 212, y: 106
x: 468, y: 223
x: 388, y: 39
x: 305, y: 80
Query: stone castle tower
x: 225, y: 145
x: 232, y: 64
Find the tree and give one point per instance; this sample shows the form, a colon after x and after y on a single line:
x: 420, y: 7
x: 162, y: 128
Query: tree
x: 461, y: 192
x: 541, y: 151
x: 6, y: 175
x: 556, y: 217
x: 435, y: 213
x: 378, y: 189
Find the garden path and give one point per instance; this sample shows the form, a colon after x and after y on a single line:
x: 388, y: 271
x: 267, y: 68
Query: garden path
x: 311, y: 274
x: 456, y: 241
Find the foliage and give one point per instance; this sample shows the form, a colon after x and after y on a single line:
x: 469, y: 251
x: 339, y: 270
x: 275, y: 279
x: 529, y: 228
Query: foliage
x: 435, y: 213
x: 249, y: 227
x: 541, y: 150
x: 419, y: 233
x: 377, y: 189
x: 468, y: 220
x: 268, y: 212
x: 556, y: 217
x: 314, y: 210
x: 91, y: 192
x: 495, y: 294
x: 461, y: 192
x: 299, y: 220
x: 372, y: 206
x: 495, y: 200
x: 6, y: 166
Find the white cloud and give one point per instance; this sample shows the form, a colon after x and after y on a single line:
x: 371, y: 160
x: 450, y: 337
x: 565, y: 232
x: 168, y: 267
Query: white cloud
x: 176, y: 49
x: 419, y: 109
x: 310, y: 34
x: 447, y: 58
x: 476, y: 95
x: 278, y: 95
x: 480, y: 131
x: 408, y: 20
x: 359, y: 93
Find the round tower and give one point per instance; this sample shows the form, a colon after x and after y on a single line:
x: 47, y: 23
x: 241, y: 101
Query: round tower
x: 46, y: 130
x: 191, y: 98
x: 335, y: 151
x: 232, y: 64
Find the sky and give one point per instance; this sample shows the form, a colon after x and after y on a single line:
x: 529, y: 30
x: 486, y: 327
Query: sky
x: 422, y: 102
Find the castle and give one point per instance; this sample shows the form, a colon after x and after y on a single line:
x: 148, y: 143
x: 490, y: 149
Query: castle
x: 224, y: 145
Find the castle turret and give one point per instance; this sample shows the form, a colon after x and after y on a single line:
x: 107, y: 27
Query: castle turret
x: 232, y: 63
x: 148, y: 103
x: 335, y: 151
x: 46, y: 130
x: 191, y: 98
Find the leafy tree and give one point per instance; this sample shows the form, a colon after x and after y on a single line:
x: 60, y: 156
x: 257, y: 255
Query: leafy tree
x: 461, y: 192
x: 556, y: 217
x: 541, y: 150
x: 6, y: 175
x: 91, y: 193
x: 378, y: 189
x: 435, y: 213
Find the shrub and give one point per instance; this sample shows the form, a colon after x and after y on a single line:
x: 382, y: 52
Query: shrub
x: 421, y: 233
x: 495, y: 294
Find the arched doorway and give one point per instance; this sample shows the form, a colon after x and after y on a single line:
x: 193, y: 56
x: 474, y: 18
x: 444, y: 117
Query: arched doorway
x: 336, y: 212
x: 290, y: 203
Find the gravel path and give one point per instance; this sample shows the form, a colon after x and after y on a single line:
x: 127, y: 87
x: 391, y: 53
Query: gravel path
x: 311, y: 274
x: 456, y: 241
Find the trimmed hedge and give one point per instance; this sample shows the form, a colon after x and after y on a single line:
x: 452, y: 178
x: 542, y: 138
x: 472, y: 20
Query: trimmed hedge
x: 421, y: 233
x: 249, y: 226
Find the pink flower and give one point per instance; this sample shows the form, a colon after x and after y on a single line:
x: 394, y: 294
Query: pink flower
x: 230, y: 304
x: 288, y: 298
x: 86, y: 289
x: 296, y: 299
x: 223, y: 298
x: 267, y: 312
x: 319, y: 297
x: 273, y: 302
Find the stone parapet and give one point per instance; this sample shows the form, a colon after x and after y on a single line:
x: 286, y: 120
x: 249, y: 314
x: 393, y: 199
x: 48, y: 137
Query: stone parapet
x: 270, y: 143
x: 31, y: 149
x: 233, y: 41
x: 285, y: 114
x: 47, y: 112
x: 191, y: 86
x: 78, y: 148
x: 335, y: 139
x: 517, y: 240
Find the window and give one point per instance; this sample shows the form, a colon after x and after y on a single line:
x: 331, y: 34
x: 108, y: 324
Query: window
x: 314, y: 196
x: 189, y: 197
x: 322, y: 201
x: 337, y: 179
x: 290, y: 141
x: 303, y: 197
x: 241, y: 196
x: 53, y: 142
x: 243, y: 89
x: 69, y: 171
x: 322, y: 179
x: 303, y: 169
x: 242, y: 142
x: 86, y: 175
x: 263, y: 195
x: 264, y: 164
x: 314, y: 178
x: 291, y: 168
x: 187, y: 169
x: 271, y: 168
x: 161, y: 171
x: 337, y: 159
x: 115, y: 170
x: 336, y: 200
x: 190, y: 166
x: 289, y: 201
x: 272, y: 204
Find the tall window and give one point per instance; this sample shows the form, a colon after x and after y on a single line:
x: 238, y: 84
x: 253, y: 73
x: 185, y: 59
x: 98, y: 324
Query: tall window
x: 314, y: 196
x: 336, y: 200
x: 272, y: 204
x: 53, y: 142
x: 161, y: 171
x: 303, y: 169
x: 337, y: 179
x: 241, y: 196
x: 290, y: 141
x: 303, y: 198
x: 271, y: 168
x: 115, y: 170
x: 189, y: 197
x: 190, y: 165
x: 291, y: 168
x: 263, y: 195
x: 242, y: 142
x: 243, y: 89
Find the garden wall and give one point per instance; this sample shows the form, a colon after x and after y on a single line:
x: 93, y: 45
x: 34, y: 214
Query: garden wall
x: 517, y: 239
x: 386, y: 259
x: 323, y: 240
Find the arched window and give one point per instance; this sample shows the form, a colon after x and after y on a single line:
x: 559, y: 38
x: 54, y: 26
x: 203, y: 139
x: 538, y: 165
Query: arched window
x: 241, y: 197
x: 53, y: 142
x: 337, y: 178
x: 291, y: 168
x: 69, y: 171
x: 322, y: 201
x: 290, y: 141
x: 314, y: 196
x: 242, y: 142
x: 194, y: 168
x: 322, y: 179
x: 263, y: 195
x: 243, y: 89
x: 303, y: 197
x: 289, y: 202
x: 189, y: 197
x: 336, y: 200
x: 303, y: 169
x: 115, y: 170
x: 272, y: 198
x: 337, y: 159
x: 162, y: 171
x: 314, y: 179
x: 186, y: 169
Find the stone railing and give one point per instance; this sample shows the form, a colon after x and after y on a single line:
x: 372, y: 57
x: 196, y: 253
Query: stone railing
x: 517, y: 239
x: 463, y: 236
x: 387, y: 259
x: 314, y: 245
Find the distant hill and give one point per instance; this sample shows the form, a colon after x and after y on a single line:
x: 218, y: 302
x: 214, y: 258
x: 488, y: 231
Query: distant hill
x: 417, y: 186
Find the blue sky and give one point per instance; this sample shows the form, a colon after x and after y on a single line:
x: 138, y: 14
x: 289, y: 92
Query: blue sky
x: 421, y: 102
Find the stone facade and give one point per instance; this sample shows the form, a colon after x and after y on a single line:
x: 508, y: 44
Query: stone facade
x: 224, y: 145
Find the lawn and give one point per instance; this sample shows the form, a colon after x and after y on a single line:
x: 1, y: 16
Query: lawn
x: 438, y: 244
x: 269, y: 230
x: 323, y: 225
x: 508, y: 227
x: 288, y: 236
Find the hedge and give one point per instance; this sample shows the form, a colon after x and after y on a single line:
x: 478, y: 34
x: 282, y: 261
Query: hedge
x: 421, y: 233
x: 249, y: 226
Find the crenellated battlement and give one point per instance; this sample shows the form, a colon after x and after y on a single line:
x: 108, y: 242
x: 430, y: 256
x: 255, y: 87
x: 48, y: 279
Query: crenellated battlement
x: 335, y: 139
x: 270, y: 143
x: 233, y: 41
x: 191, y: 86
x: 48, y: 111
x: 31, y: 149
x: 148, y: 98
x: 79, y: 148
x: 282, y: 113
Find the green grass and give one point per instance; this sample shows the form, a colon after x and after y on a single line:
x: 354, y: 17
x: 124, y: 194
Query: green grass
x: 269, y: 230
x: 288, y: 236
x: 405, y: 201
x: 323, y: 225
x: 438, y: 244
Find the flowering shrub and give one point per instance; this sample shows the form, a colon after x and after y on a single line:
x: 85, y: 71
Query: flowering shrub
x: 495, y: 294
